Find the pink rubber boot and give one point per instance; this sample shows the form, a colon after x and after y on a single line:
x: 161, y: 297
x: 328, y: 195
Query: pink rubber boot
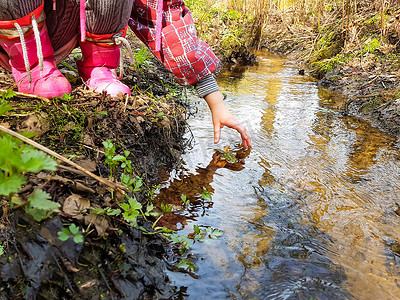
x: 97, y: 68
x: 26, y: 67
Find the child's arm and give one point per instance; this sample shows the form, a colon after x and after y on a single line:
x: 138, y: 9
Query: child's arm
x: 189, y: 59
x: 221, y: 117
x: 209, y: 90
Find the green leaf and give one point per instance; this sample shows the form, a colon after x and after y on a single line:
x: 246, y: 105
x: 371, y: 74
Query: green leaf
x: 10, y: 184
x: 98, y: 211
x: 119, y: 158
x: 134, y: 204
x: 10, y: 155
x: 28, y: 134
x: 149, y: 207
x: 67, y: 97
x: 35, y: 161
x: 138, y: 184
x: 196, y: 228
x: 78, y: 238
x: 63, y: 235
x: 125, y: 206
x: 131, y: 215
x: 127, y: 180
x: 40, y: 200
x: 4, y: 108
x: 40, y: 207
x: 216, y: 234
x: 175, y: 239
x: 74, y: 229
x: 186, y: 264
x: 8, y: 94
x: 114, y: 212
x: 102, y: 112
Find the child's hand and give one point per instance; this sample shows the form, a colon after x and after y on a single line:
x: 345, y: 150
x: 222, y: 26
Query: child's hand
x: 221, y: 117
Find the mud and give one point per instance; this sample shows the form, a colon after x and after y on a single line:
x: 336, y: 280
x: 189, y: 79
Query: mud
x: 372, y: 86
x: 115, y: 261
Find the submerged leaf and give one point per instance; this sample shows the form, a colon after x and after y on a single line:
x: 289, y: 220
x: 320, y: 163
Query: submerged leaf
x: 186, y: 265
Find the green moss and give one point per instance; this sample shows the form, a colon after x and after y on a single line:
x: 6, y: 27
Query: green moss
x: 370, y: 105
x: 371, y: 46
x: 328, y: 46
x: 325, y: 39
x: 231, y: 15
x: 320, y: 68
x: 374, y: 20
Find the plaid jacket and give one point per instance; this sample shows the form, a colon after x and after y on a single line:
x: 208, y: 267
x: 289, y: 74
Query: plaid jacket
x: 186, y: 56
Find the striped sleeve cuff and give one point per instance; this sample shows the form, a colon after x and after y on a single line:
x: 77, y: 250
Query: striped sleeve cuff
x: 206, y: 86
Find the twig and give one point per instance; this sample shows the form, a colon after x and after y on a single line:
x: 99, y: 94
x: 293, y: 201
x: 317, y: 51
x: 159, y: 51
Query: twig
x: 71, y: 170
x: 106, y: 282
x: 118, y: 187
x: 126, y: 102
x: 29, y: 96
x: 351, y: 100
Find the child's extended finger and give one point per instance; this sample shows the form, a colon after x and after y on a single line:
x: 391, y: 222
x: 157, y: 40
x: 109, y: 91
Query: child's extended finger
x: 217, y: 133
x: 246, y: 141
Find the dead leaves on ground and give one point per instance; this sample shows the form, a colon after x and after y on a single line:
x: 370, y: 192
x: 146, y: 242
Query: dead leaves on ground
x: 79, y: 208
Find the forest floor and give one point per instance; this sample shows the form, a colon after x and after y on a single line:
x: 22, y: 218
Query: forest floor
x: 115, y: 260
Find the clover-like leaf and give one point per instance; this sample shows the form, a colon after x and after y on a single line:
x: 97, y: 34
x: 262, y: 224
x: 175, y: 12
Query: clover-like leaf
x: 78, y: 238
x: 64, y: 234
x: 74, y: 229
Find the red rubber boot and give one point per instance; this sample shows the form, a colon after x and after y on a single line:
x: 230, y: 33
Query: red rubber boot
x: 34, y: 71
x: 97, y: 68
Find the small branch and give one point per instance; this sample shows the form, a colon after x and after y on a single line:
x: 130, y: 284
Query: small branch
x: 47, y: 101
x: 351, y: 100
x: 118, y: 187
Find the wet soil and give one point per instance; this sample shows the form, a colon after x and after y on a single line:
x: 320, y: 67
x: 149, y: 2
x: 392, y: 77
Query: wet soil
x: 372, y: 86
x: 116, y: 261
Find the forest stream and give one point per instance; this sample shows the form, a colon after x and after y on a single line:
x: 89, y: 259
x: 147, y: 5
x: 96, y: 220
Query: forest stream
x: 312, y: 211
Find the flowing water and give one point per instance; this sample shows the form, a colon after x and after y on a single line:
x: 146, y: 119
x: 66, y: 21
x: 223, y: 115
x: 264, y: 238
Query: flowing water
x: 313, y: 213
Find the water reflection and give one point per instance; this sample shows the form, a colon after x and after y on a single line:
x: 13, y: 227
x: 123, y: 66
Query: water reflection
x: 315, y: 211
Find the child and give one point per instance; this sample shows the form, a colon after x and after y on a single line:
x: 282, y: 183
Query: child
x: 37, y: 34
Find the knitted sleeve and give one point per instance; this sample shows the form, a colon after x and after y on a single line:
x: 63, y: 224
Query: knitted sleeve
x: 206, y: 86
x: 188, y: 58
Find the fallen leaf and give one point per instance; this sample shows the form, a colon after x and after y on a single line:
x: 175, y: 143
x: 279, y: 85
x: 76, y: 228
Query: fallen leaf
x: 100, y: 223
x: 74, y: 205
x: 87, y: 164
x: 88, y: 285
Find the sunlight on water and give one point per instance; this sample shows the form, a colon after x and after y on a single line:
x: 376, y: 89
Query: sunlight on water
x: 315, y: 211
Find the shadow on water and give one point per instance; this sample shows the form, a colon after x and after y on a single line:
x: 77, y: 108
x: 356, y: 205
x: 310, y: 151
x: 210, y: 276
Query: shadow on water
x: 312, y: 214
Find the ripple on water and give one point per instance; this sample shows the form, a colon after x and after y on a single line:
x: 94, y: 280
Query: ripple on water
x: 313, y: 214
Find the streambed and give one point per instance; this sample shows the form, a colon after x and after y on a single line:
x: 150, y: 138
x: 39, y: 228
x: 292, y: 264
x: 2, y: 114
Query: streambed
x: 314, y: 210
